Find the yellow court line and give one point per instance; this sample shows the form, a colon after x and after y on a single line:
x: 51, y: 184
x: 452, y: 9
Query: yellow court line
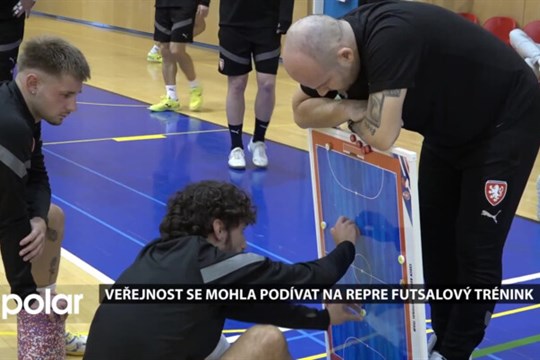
x: 314, y: 357
x: 139, y: 137
x: 161, y: 136
x: 233, y: 331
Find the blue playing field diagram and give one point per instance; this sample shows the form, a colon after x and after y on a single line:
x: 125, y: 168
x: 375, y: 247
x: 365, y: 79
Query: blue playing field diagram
x: 368, y: 194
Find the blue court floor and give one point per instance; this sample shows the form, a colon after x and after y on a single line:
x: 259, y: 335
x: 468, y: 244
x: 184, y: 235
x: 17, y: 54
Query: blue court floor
x: 113, y: 165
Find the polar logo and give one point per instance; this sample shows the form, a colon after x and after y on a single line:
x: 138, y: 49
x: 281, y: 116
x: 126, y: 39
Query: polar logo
x: 48, y: 303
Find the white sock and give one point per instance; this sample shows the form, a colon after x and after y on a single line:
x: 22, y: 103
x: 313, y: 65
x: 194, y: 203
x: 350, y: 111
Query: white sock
x: 154, y: 49
x: 171, y: 92
x: 193, y: 84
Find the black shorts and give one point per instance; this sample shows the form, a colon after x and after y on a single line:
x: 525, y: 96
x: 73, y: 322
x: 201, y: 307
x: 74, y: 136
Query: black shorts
x: 238, y: 45
x: 11, y: 35
x: 174, y: 24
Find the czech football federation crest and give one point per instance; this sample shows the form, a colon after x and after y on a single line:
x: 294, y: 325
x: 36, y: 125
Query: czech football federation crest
x: 495, y: 191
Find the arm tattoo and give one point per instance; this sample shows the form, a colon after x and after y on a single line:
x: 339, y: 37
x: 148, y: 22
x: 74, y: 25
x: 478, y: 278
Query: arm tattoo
x: 372, y: 121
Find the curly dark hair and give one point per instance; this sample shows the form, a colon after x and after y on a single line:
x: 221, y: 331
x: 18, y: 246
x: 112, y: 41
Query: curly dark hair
x: 192, y: 210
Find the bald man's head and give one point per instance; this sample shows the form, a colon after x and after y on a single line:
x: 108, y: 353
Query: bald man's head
x: 319, y: 45
x: 316, y: 36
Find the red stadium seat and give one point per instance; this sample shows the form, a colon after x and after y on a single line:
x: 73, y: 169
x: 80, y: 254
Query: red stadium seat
x: 470, y: 17
x: 533, y: 30
x: 501, y: 26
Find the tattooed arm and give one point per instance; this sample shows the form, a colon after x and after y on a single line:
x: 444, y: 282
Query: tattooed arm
x: 380, y: 124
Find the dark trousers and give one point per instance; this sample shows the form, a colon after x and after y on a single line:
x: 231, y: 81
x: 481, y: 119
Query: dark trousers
x: 464, y: 227
x: 11, y: 35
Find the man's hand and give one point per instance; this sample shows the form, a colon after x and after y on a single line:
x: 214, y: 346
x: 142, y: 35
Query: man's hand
x: 61, y: 304
x: 356, y: 109
x: 340, y: 313
x: 345, y: 230
x: 202, y: 10
x: 33, y: 243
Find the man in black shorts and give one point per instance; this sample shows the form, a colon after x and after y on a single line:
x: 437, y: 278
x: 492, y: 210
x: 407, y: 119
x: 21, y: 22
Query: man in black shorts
x: 202, y: 242
x: 174, y: 23
x: 249, y: 29
x: 12, y: 16
x: 475, y: 101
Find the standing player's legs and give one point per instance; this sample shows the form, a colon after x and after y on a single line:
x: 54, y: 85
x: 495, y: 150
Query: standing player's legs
x: 11, y: 35
x: 173, y: 30
x: 162, y: 35
x: 439, y: 190
x: 266, y: 56
x: 181, y: 34
x: 235, y: 62
x: 495, y: 173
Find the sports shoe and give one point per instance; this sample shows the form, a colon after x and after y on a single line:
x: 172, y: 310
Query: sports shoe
x: 258, y: 149
x: 75, y: 343
x: 154, y: 58
x: 166, y: 104
x: 195, y: 98
x: 237, y: 158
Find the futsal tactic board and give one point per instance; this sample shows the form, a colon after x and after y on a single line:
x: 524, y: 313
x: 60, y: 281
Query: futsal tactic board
x: 379, y: 192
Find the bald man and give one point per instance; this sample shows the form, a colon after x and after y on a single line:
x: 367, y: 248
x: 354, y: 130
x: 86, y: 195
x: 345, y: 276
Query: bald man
x: 418, y: 66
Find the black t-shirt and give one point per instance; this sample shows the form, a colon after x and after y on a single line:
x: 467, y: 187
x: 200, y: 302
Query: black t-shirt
x: 255, y: 14
x: 462, y: 81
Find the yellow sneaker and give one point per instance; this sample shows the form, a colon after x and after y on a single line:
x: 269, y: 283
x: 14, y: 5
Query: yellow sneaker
x: 195, y: 98
x: 166, y: 104
x: 154, y: 58
x: 75, y: 344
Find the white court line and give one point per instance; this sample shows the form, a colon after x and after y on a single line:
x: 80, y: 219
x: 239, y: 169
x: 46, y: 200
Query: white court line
x: 101, y: 277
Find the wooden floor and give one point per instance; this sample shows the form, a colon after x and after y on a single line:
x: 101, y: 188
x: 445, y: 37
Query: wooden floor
x: 118, y: 62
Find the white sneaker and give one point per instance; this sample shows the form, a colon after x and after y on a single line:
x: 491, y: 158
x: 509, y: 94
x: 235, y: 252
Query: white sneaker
x: 258, y: 149
x: 237, y: 159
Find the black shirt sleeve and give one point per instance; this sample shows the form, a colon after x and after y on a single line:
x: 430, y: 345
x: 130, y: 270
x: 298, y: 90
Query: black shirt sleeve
x: 280, y: 314
x: 313, y: 93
